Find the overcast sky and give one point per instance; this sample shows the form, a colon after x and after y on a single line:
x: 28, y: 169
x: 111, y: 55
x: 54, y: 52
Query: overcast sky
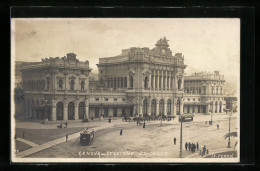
x: 207, y: 44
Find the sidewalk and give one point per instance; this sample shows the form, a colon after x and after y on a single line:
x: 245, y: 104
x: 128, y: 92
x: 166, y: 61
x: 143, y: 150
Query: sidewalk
x: 54, y: 142
x: 27, y: 142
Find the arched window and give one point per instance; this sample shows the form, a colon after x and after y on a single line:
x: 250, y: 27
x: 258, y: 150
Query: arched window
x: 220, y: 107
x: 82, y: 84
x: 59, y: 111
x: 179, y: 84
x: 161, y: 107
x: 146, y: 82
x: 48, y: 83
x: 211, y: 107
x: 125, y: 82
x: 82, y: 110
x: 169, y: 107
x: 72, y: 84
x: 131, y: 81
x: 221, y: 90
x: 60, y: 84
x: 199, y: 90
x: 145, y: 107
x: 71, y: 111
x: 153, y: 107
x: 212, y: 90
x: 217, y: 91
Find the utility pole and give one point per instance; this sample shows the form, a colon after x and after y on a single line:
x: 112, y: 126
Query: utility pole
x: 181, y: 141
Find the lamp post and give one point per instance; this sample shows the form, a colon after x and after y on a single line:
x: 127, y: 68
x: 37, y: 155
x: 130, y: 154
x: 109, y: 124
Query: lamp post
x: 181, y: 141
x: 229, y: 130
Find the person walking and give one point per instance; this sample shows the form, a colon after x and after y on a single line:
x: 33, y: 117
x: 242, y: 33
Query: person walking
x: 203, y: 150
x: 186, y: 145
x: 121, y: 132
x: 67, y: 137
x: 189, y: 146
x: 217, y: 126
x: 144, y: 125
x: 197, y: 146
x: 174, y: 140
x: 194, y: 147
x: 207, y: 151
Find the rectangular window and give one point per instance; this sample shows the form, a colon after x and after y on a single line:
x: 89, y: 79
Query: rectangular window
x: 115, y: 99
x: 106, y: 99
x: 123, y: 99
x: 97, y: 99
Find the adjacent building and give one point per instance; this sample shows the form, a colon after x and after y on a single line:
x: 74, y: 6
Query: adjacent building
x: 204, y: 93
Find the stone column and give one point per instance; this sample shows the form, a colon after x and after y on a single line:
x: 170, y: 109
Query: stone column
x: 207, y: 108
x: 149, y: 108
x: 53, y: 114
x: 166, y: 80
x: 174, y: 106
x: 162, y: 79
x: 158, y: 80
x: 182, y: 108
x: 65, y: 111
x: 149, y: 81
x: 87, y: 112
x: 140, y: 109
x: 76, y: 112
x: 128, y: 82
x: 153, y: 79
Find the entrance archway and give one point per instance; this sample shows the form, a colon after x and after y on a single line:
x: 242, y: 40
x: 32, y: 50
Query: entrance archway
x: 71, y: 111
x: 145, y: 107
x: 153, y: 107
x: 169, y: 103
x: 161, y: 107
x: 81, y: 110
x: 59, y: 111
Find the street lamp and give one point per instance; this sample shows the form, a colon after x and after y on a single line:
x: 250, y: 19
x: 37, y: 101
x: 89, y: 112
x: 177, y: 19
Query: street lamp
x: 229, y: 130
x: 181, y: 140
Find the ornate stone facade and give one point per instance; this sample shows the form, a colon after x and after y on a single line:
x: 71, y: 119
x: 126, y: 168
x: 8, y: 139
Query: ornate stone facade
x: 56, y: 88
x: 140, y: 81
x: 204, y: 93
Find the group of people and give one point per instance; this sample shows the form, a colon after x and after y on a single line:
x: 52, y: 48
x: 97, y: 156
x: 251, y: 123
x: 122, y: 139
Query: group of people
x: 60, y: 126
x: 191, y: 146
x: 204, y: 151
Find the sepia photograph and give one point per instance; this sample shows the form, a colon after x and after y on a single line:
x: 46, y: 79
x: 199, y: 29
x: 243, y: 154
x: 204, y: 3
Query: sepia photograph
x: 125, y: 90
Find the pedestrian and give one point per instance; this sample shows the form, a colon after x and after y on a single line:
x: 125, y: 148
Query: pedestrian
x: 23, y: 134
x: 174, y: 140
x: 204, y: 150
x: 194, y: 147
x: 67, y: 137
x: 207, y: 151
x: 121, y: 132
x: 217, y: 126
x: 189, y: 146
x: 235, y: 144
x: 197, y: 146
x: 144, y: 125
x: 66, y: 124
x: 186, y: 145
x: 137, y: 122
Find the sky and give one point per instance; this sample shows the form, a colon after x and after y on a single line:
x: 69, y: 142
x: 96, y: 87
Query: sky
x: 207, y: 44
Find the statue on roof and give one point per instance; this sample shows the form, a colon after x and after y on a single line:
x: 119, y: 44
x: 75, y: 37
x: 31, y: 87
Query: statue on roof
x: 162, y: 42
